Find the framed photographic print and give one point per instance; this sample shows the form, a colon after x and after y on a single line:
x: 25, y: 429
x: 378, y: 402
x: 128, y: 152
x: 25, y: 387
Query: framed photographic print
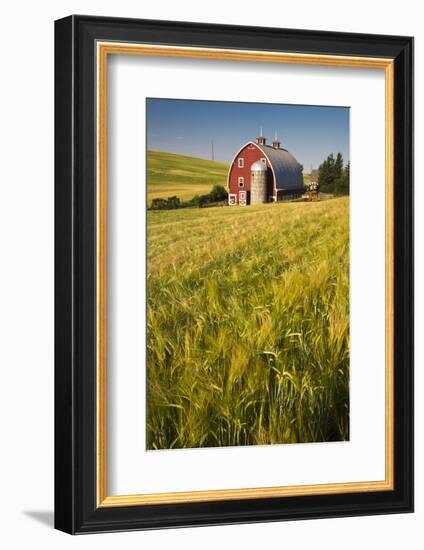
x: 234, y: 271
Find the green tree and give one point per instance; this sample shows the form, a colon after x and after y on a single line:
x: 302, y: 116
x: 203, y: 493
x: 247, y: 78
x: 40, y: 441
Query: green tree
x: 159, y: 204
x: 343, y: 183
x: 326, y: 175
x: 218, y: 193
x: 338, y: 166
x: 174, y: 202
x: 332, y: 177
x: 171, y: 203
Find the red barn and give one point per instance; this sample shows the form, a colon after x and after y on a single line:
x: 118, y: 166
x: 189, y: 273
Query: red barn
x: 263, y: 173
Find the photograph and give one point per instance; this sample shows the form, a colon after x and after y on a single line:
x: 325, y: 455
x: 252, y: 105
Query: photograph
x: 247, y: 273
x: 233, y: 255
x: 211, y: 300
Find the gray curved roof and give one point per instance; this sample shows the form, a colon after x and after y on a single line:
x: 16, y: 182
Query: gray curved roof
x: 287, y: 171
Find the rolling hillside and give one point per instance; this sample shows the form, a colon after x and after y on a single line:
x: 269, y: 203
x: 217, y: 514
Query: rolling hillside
x: 169, y: 174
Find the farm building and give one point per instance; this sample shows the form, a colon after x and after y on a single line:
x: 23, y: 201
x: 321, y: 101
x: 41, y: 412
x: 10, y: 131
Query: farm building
x: 263, y: 173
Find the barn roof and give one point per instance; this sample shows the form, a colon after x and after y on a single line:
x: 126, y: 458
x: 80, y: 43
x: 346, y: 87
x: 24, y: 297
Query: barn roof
x: 287, y: 171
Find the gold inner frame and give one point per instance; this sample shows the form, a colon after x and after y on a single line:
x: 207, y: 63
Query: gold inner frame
x: 104, y: 49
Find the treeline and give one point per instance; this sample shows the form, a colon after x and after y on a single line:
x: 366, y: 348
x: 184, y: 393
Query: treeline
x: 334, y: 175
x: 217, y: 195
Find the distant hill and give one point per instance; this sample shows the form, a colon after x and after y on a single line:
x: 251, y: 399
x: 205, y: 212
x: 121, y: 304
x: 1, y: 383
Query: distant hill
x: 170, y: 174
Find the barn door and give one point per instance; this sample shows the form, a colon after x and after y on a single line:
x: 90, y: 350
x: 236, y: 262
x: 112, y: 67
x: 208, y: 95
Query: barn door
x: 242, y: 198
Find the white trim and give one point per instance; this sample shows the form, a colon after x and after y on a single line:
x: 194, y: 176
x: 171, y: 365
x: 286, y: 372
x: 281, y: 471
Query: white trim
x: 234, y: 197
x: 240, y: 180
x: 240, y: 162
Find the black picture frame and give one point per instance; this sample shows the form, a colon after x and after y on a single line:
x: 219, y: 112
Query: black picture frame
x: 76, y: 510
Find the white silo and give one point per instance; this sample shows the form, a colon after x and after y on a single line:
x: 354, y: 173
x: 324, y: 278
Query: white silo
x: 258, y: 190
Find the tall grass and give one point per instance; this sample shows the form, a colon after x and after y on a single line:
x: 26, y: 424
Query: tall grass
x: 248, y: 325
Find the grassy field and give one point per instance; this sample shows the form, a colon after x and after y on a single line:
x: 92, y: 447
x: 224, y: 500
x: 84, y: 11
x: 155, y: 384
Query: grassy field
x: 248, y: 325
x: 169, y: 174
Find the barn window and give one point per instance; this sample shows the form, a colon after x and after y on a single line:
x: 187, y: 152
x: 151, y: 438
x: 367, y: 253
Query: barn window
x: 263, y: 160
x: 241, y: 182
x: 241, y: 163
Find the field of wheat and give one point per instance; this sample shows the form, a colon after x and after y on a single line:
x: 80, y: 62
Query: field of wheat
x: 248, y: 325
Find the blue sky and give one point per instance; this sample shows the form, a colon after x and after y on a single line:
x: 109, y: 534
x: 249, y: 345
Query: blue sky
x: 188, y: 127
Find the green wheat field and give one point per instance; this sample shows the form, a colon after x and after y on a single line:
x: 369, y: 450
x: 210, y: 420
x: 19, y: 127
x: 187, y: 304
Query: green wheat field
x: 170, y: 174
x: 248, y: 325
